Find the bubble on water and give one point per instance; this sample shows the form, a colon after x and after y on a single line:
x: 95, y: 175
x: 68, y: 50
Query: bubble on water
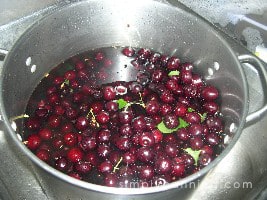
x: 14, y: 125
x: 33, y: 68
x: 28, y: 61
x: 232, y: 128
x: 210, y: 71
x: 226, y: 139
x: 216, y: 66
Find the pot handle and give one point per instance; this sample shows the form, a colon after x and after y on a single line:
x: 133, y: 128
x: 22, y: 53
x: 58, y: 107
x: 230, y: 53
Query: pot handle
x: 259, y: 66
x: 3, y: 54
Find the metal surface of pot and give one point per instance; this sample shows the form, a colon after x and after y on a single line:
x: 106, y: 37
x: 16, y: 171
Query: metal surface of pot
x: 92, y: 24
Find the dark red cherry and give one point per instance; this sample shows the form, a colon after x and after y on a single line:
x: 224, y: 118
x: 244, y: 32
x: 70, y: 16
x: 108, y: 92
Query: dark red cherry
x: 183, y: 134
x: 129, y: 158
x: 102, y: 117
x: 171, y: 121
x: 33, y: 124
x: 75, y: 155
x: 213, y: 139
x: 145, y: 154
x: 193, y: 118
x: 111, y: 180
x: 146, y: 172
x: 123, y: 143
x: 146, y: 139
x: 70, y: 75
x: 128, y: 51
x: 173, y: 63
x: 109, y: 93
x: 139, y: 123
x: 195, y: 130
x: 70, y: 139
x: 79, y: 65
x: 105, y: 167
x: 125, y: 117
x: 180, y: 110
x: 165, y: 109
x: 209, y: 93
x: 196, y: 143
x: 163, y: 165
x: 33, y: 141
x: 214, y: 124
x: 88, y: 143
x: 211, y: 107
x: 178, y: 170
x: 83, y: 167
x: 82, y: 123
x: 157, y: 135
x: 45, y: 134
x: 54, y: 121
x: 99, y: 56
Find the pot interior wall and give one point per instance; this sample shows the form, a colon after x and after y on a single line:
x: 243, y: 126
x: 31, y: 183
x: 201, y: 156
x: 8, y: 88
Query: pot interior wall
x: 92, y: 24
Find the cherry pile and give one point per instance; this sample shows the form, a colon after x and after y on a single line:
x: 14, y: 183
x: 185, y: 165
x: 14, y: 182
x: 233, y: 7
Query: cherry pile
x: 159, y: 128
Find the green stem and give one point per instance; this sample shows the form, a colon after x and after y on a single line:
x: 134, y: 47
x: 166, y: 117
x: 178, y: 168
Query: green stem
x: 19, y: 117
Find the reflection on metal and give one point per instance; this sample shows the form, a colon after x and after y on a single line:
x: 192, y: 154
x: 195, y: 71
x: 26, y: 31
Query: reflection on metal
x: 245, y: 163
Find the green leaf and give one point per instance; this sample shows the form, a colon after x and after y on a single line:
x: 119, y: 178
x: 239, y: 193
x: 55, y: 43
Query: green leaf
x: 161, y: 126
x: 122, y: 103
x: 194, y: 153
x: 203, y: 116
x: 68, y: 66
x: 183, y: 124
x: 190, y: 110
x: 174, y: 73
x: 67, y: 82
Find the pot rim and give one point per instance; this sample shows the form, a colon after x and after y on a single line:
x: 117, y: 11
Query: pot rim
x: 127, y: 191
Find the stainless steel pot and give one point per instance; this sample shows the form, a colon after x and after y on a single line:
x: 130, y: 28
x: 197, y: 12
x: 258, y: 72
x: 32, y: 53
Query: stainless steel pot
x: 164, y: 27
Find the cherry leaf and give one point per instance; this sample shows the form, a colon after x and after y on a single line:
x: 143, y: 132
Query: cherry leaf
x: 190, y: 110
x: 183, y: 123
x: 68, y: 66
x: 174, y: 73
x: 162, y: 128
x: 203, y: 116
x: 194, y: 153
x: 122, y: 103
x: 67, y: 82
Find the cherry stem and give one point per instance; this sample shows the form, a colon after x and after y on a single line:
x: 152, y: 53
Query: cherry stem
x: 128, y: 105
x: 93, y: 117
x: 19, y: 117
x: 116, y: 166
x: 67, y: 82
x: 141, y: 103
